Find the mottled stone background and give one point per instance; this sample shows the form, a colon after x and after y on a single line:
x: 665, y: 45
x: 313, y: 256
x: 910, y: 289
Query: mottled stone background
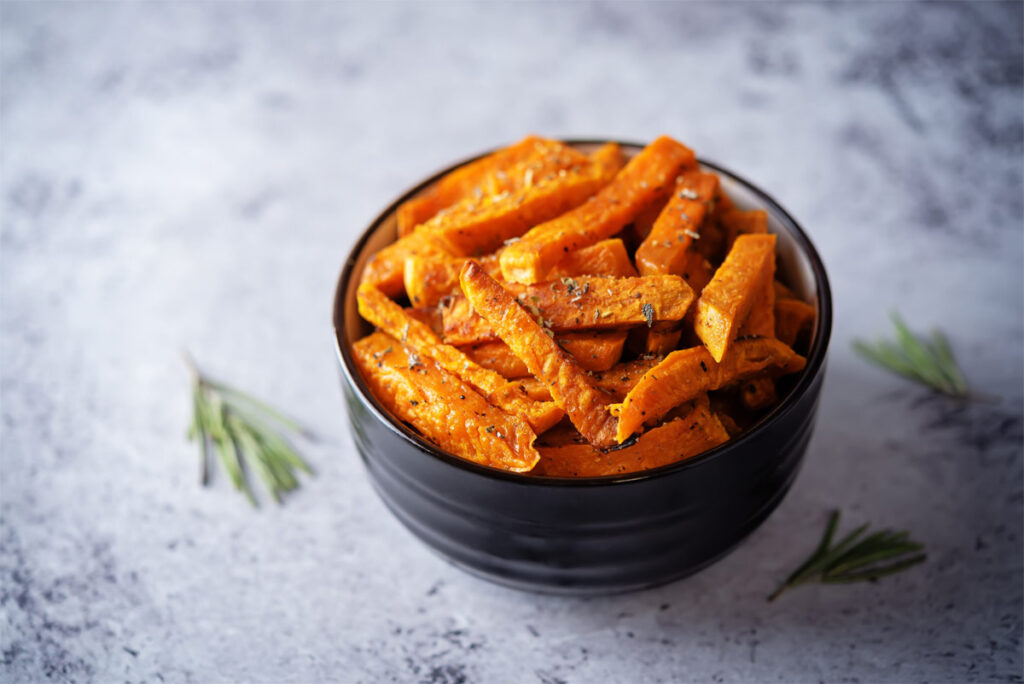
x: 178, y: 175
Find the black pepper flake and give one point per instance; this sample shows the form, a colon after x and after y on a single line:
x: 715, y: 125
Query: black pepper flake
x: 462, y: 396
x: 414, y: 402
x: 649, y: 314
x: 703, y: 367
x: 490, y: 428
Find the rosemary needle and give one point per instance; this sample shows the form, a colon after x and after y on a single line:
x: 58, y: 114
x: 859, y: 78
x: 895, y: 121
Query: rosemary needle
x: 855, y: 558
x: 247, y: 435
x: 929, y: 362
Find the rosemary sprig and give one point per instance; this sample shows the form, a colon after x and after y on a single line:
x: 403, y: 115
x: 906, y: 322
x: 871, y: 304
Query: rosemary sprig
x: 246, y: 435
x: 927, y: 361
x: 855, y: 558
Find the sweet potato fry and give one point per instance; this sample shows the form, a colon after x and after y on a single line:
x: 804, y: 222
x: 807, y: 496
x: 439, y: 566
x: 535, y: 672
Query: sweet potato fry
x: 618, y: 380
x: 676, y: 440
x: 615, y: 382
x: 428, y: 316
x: 758, y: 393
x: 560, y: 435
x: 725, y: 302
x: 609, y: 159
x: 729, y: 423
x: 736, y: 222
x: 761, y: 319
x: 666, y: 247
x: 697, y: 272
x: 662, y: 338
x: 594, y: 351
x: 428, y: 281
x: 570, y: 386
x: 712, y: 243
x: 392, y: 319
x: 647, y: 177
x: 644, y: 221
x: 478, y: 226
x: 792, y: 318
x: 582, y: 303
x: 499, y: 358
x: 488, y: 175
x: 386, y: 268
x: 605, y: 258
x: 443, y: 408
x: 684, y: 374
x: 783, y: 292
x: 535, y: 389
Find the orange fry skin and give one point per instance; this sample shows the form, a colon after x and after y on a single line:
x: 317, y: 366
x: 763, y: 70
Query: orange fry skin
x: 594, y: 351
x: 686, y: 373
x: 488, y: 175
x: 662, y: 338
x: 428, y: 281
x: 582, y: 303
x: 736, y: 222
x: 761, y: 319
x: 478, y: 226
x: 725, y: 302
x: 676, y: 440
x: 392, y: 319
x: 605, y: 258
x: 616, y: 382
x: 646, y: 178
x: 758, y: 393
x: 445, y: 410
x: 792, y: 318
x: 386, y: 269
x: 609, y: 159
x: 665, y: 248
x: 570, y: 386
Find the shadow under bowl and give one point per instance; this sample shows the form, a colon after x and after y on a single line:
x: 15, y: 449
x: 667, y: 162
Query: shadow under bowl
x: 589, y: 535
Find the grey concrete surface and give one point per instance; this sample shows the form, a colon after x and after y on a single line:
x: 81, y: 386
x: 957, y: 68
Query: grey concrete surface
x: 191, y: 176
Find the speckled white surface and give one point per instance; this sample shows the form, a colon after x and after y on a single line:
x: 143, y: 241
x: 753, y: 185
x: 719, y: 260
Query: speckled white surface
x: 179, y: 175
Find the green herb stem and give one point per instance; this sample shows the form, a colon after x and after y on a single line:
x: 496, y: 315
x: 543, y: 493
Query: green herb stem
x: 854, y: 558
x: 928, y: 361
x: 247, y: 436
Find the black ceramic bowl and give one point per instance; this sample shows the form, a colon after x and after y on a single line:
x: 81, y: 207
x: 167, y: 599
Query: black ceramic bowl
x: 589, y: 535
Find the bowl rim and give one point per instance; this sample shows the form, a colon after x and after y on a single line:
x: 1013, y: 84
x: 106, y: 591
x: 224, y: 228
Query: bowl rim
x: 815, y: 356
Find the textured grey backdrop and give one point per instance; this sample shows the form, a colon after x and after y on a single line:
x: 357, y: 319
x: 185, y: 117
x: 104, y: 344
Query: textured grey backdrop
x: 178, y: 175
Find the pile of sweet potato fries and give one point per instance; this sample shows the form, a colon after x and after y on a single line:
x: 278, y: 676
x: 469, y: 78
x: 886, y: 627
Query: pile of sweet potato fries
x: 551, y: 312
